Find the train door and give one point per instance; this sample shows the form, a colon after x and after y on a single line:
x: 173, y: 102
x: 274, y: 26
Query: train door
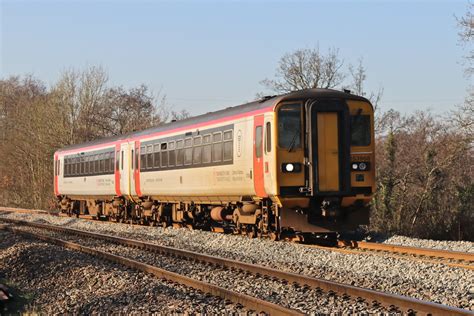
x: 328, y: 151
x: 258, y: 159
x: 328, y: 137
x: 135, y: 156
x: 269, y: 154
x: 123, y: 168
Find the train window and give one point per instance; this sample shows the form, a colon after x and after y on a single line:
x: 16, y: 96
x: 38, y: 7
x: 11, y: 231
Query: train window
x: 136, y: 159
x: 149, y: 156
x: 360, y: 130
x: 197, y: 140
x: 73, y: 166
x: 102, y: 163
x: 217, y: 147
x: 197, y: 150
x: 76, y: 166
x: 228, y: 145
x: 111, y: 162
x: 289, y: 126
x: 217, y: 137
x: 206, y: 149
x: 133, y: 160
x: 121, y: 167
x: 227, y: 135
x: 268, y: 137
x: 180, y: 154
x: 86, y: 165
x: 106, y: 162
x: 142, y: 158
x: 188, y: 151
x: 258, y: 141
x: 117, y: 160
x: 164, y: 157
x: 171, y: 154
x: 91, y: 164
x: 156, y: 150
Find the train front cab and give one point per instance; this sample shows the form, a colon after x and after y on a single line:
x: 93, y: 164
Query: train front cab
x: 325, y: 159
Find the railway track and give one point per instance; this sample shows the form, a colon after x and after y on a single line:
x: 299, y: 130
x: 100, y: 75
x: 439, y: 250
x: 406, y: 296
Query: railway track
x: 456, y: 259
x: 435, y: 256
x: 145, y: 259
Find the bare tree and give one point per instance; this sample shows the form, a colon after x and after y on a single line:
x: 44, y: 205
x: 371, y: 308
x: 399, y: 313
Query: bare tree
x: 180, y: 115
x: 466, y: 36
x: 307, y: 68
x: 358, y: 76
x: 133, y: 110
x: 81, y: 95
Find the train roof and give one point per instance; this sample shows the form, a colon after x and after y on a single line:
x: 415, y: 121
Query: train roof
x: 261, y: 104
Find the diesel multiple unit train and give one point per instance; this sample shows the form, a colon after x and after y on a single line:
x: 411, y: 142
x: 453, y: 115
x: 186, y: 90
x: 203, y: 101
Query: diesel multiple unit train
x: 301, y: 162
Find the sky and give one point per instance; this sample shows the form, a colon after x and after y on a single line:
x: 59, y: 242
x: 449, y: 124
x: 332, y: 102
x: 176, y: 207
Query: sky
x: 208, y: 55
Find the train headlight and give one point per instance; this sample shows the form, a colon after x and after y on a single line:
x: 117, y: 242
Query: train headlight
x: 291, y: 167
x: 360, y: 166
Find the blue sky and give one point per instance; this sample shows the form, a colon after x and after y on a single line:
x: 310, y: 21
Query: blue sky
x: 207, y: 55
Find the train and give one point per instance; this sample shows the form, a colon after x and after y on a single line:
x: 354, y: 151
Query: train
x: 292, y: 164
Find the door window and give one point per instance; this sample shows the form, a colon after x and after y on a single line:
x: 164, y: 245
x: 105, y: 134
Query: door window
x: 258, y: 141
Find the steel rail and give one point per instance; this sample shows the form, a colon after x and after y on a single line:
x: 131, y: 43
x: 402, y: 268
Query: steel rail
x: 250, y: 302
x: 393, y: 254
x: 24, y: 210
x: 405, y: 304
x: 436, y: 253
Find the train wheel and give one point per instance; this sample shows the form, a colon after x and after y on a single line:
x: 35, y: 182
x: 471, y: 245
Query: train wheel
x: 274, y: 236
x: 252, y: 232
x: 260, y: 229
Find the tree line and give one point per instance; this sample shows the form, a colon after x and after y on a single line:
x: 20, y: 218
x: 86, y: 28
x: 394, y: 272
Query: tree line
x: 81, y: 106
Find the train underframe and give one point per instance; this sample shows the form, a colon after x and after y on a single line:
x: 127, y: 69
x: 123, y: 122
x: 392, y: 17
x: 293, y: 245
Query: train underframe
x: 262, y: 218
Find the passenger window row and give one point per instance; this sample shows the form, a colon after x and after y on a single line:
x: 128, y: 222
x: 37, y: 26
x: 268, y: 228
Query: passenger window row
x: 89, y: 164
x: 197, y: 151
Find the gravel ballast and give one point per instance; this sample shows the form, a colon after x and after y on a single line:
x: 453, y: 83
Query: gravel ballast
x: 427, y: 281
x: 64, y: 281
x: 279, y: 292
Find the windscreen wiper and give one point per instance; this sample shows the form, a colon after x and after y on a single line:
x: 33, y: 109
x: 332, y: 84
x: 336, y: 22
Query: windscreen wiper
x: 293, y: 141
